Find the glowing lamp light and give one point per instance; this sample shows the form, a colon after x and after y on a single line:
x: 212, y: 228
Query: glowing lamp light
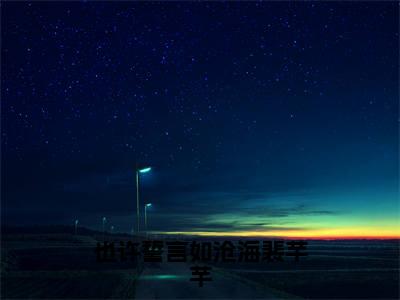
x: 145, y: 170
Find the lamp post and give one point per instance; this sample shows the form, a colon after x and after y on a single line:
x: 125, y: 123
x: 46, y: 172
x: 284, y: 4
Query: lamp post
x: 104, y: 226
x: 139, y: 170
x: 145, y: 215
x: 76, y: 225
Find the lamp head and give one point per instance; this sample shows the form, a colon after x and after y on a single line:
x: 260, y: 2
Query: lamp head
x: 145, y: 170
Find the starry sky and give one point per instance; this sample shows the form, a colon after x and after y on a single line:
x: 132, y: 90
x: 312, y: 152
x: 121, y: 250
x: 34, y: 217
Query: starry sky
x: 274, y: 118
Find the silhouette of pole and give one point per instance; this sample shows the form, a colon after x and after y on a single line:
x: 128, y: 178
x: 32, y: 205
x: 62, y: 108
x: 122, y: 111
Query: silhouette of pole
x: 76, y: 226
x: 145, y: 215
x: 104, y: 227
x: 137, y: 201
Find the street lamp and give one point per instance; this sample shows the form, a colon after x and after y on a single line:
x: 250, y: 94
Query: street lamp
x: 145, y: 214
x: 104, y: 228
x: 139, y: 170
x: 112, y: 229
x: 76, y: 225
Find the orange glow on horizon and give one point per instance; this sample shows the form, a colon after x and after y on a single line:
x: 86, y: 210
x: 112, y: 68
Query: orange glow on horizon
x: 337, y: 233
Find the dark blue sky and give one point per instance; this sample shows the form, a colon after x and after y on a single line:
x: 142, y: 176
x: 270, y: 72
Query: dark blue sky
x: 272, y: 116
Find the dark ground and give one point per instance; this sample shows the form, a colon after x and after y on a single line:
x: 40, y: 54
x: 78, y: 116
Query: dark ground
x: 61, y: 265
x: 334, y: 269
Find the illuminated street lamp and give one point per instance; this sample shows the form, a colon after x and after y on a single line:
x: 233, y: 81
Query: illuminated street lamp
x: 76, y: 225
x: 104, y: 226
x: 112, y: 229
x: 145, y: 214
x: 104, y: 223
x: 139, y: 170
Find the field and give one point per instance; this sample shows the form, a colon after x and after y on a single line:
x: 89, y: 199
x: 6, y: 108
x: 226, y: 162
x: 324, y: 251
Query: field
x: 61, y: 266
x: 65, y: 266
x: 334, y: 270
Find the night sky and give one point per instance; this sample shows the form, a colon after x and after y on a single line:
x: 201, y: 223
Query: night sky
x: 270, y: 118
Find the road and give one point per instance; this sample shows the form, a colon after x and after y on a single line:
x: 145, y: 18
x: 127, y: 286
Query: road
x: 172, y: 280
